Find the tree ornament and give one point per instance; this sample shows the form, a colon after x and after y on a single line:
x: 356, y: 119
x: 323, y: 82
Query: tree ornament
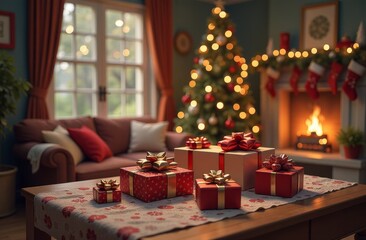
x: 221, y: 39
x: 209, y: 97
x: 294, y: 79
x: 186, y: 99
x: 231, y: 28
x: 194, y: 110
x: 195, y: 60
x: 216, y: 69
x: 213, y: 120
x: 316, y: 71
x: 230, y: 86
x: 272, y: 76
x: 200, y: 120
x: 232, y: 69
x: 353, y: 74
x: 229, y: 123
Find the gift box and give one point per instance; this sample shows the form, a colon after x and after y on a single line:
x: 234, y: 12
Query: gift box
x: 153, y: 185
x: 106, y: 196
x: 281, y: 183
x: 240, y: 164
x: 211, y: 195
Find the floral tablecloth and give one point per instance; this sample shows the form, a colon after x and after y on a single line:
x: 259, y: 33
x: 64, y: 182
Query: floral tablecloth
x: 73, y: 214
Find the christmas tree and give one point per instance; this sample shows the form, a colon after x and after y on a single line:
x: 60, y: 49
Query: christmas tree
x: 217, y: 100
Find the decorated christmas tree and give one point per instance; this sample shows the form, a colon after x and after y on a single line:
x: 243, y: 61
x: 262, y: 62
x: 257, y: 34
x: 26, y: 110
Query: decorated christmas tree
x: 217, y: 100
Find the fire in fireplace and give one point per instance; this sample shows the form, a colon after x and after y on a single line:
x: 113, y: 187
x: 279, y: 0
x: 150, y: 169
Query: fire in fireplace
x: 314, y: 139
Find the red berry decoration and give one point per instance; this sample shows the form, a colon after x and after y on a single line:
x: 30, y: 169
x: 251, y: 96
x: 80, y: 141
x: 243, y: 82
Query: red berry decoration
x: 186, y: 99
x: 195, y: 60
x: 209, y: 97
x: 232, y: 69
x: 229, y: 123
x: 230, y: 87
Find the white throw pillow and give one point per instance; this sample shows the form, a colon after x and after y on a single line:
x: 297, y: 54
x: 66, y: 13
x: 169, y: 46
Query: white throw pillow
x: 61, y: 137
x: 148, y: 136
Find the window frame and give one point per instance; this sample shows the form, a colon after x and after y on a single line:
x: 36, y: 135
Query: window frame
x: 150, y: 94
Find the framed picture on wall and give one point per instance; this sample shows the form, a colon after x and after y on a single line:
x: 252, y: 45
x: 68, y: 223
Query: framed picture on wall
x: 319, y: 25
x: 7, y: 35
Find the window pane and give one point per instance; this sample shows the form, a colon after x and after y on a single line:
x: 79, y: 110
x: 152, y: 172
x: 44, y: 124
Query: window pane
x: 130, y: 105
x: 64, y: 76
x: 85, y: 19
x: 67, y: 19
x: 114, y: 77
x: 114, y: 105
x: 65, y: 48
x: 85, y: 104
x: 114, y: 53
x: 86, y: 76
x: 134, y: 78
x: 134, y: 52
x: 64, y: 103
x: 114, y: 23
x: 86, y: 47
x: 133, y: 26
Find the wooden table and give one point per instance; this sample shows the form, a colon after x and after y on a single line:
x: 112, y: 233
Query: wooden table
x: 329, y: 216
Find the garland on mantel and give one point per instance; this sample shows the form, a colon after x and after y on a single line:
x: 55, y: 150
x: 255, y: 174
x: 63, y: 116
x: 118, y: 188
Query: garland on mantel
x: 347, y: 54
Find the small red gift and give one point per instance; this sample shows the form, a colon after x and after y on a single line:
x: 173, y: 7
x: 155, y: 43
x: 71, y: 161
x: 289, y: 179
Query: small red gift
x: 107, y: 192
x: 279, y: 177
x: 198, y: 143
x: 217, y: 191
x: 156, y: 178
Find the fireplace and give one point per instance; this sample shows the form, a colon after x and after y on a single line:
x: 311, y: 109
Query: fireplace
x: 283, y: 121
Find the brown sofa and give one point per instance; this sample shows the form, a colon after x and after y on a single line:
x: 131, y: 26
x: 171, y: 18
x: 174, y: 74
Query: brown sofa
x: 56, y: 163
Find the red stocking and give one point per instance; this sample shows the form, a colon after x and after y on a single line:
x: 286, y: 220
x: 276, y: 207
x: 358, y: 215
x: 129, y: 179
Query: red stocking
x: 272, y: 76
x: 335, y: 70
x: 316, y: 71
x: 354, y: 72
x: 294, y: 79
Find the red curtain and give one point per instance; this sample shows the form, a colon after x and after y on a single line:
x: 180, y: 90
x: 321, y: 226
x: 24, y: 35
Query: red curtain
x: 44, y: 26
x: 159, y: 23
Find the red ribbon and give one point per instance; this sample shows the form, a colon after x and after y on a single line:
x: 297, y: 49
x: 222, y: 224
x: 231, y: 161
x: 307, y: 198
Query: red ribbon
x: 190, y: 159
x: 278, y: 163
x: 198, y: 142
x: 239, y: 140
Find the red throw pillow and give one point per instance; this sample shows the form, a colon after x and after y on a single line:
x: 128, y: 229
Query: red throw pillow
x: 90, y: 143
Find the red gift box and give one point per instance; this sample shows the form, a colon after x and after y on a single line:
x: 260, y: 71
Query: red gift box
x: 103, y: 196
x: 153, y: 185
x: 213, y: 196
x: 240, y: 164
x: 282, y: 183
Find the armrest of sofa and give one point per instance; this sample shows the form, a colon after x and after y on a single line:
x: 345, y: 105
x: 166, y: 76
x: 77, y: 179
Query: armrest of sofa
x: 174, y: 139
x: 56, y: 163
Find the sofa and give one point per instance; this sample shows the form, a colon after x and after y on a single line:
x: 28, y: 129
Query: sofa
x: 56, y: 163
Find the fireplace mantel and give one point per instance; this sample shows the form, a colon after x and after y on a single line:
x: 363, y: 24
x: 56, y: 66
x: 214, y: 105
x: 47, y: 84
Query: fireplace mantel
x: 275, y: 118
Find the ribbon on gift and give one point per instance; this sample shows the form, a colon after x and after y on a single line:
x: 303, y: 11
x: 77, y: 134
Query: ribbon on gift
x: 108, y: 186
x: 278, y: 163
x: 219, y: 178
x: 239, y: 140
x: 198, y: 143
x: 157, y: 161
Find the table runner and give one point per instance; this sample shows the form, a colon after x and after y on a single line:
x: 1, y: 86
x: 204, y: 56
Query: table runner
x: 73, y: 214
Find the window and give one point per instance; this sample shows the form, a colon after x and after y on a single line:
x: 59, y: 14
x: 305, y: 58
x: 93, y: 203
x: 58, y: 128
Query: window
x: 101, y: 65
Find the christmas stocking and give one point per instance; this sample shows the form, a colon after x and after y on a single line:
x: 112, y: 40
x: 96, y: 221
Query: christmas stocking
x: 294, y: 79
x: 354, y: 72
x: 335, y: 70
x: 272, y: 76
x: 316, y: 71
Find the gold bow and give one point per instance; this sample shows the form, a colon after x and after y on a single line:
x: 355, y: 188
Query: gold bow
x: 107, y: 184
x: 217, y: 177
x: 157, y: 161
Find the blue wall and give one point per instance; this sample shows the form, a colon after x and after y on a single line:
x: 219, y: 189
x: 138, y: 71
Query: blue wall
x: 256, y: 21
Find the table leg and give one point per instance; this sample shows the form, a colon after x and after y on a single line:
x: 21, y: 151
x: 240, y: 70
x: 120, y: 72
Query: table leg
x: 33, y: 233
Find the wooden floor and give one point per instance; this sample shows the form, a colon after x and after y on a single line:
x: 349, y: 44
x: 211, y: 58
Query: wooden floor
x: 13, y: 227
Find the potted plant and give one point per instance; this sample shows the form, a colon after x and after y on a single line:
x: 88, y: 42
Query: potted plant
x: 11, y: 88
x: 352, y: 141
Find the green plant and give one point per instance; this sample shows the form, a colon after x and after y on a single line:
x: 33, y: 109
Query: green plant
x: 350, y: 137
x: 11, y: 88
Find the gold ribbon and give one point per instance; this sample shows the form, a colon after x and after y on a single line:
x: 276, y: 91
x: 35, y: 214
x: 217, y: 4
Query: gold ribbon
x: 107, y: 185
x: 130, y: 180
x: 273, y: 183
x: 220, y: 196
x: 218, y: 177
x: 157, y: 161
x: 109, y: 196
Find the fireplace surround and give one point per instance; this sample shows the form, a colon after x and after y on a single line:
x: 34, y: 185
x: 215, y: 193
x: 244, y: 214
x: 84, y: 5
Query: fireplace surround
x: 278, y: 129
